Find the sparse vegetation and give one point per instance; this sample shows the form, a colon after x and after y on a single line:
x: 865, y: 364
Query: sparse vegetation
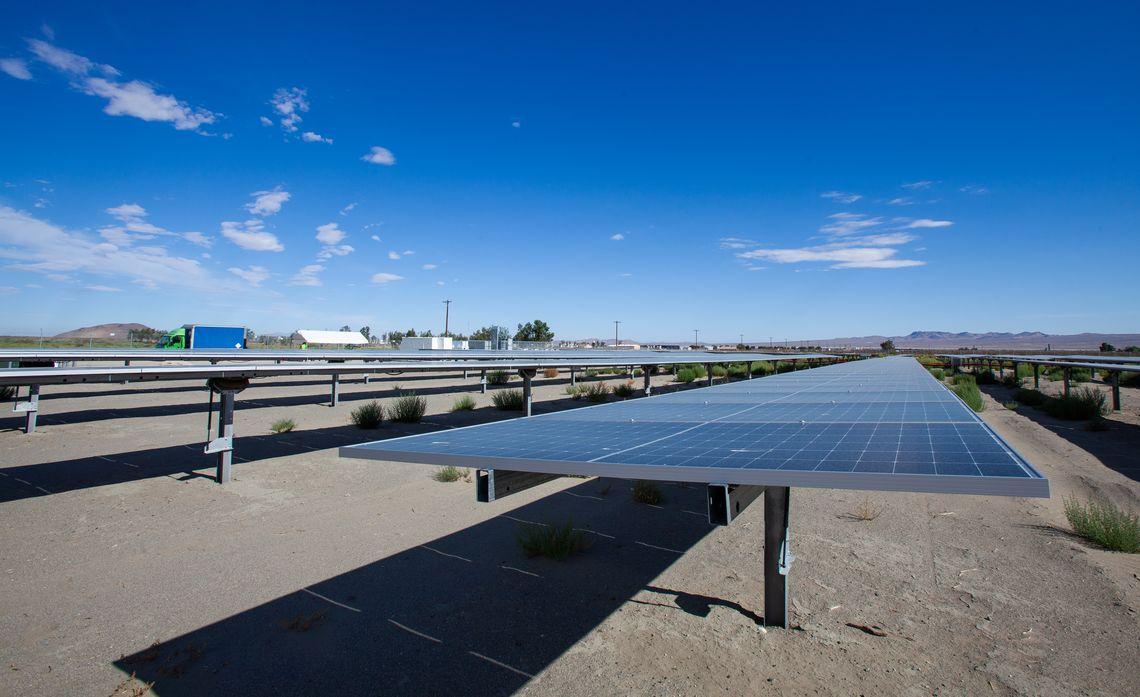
x: 984, y: 376
x: 464, y: 403
x: 574, y: 391
x: 938, y: 373
x: 1011, y: 405
x: 452, y: 474
x: 865, y: 511
x: 738, y: 370
x: 596, y: 392
x: 550, y: 373
x: 498, y: 377
x: 762, y: 368
x: 647, y: 492
x: 685, y: 375
x: 1076, y: 375
x: 623, y: 390
x: 557, y: 542
x: 283, y: 425
x: 1030, y: 398
x: 1082, y: 403
x: 963, y: 378
x: 719, y: 371
x: 1105, y: 524
x: 1024, y: 370
x: 408, y: 408
x: 969, y: 393
x: 509, y: 400
x: 368, y: 415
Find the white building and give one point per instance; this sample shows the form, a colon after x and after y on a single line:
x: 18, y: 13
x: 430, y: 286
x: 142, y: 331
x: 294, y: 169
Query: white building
x: 431, y: 343
x: 321, y: 337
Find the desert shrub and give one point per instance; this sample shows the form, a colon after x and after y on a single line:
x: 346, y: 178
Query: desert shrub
x: 623, y: 390
x: 464, y: 403
x: 969, y: 393
x: 557, y: 542
x: 963, y: 378
x: 1105, y: 524
x: 593, y: 372
x: 762, y: 368
x: 7, y: 392
x: 938, y: 373
x: 283, y: 425
x: 450, y: 474
x: 1024, y: 370
x: 596, y: 391
x: 1031, y: 398
x: 408, y: 408
x: 985, y: 376
x: 738, y: 370
x: 785, y: 366
x: 550, y: 372
x: 509, y: 400
x: 719, y: 371
x: 574, y: 391
x: 1080, y: 404
x: 1012, y: 406
x: 498, y: 377
x: 647, y: 492
x: 1130, y: 379
x: 368, y: 415
x: 685, y: 375
x: 928, y: 360
x: 1010, y: 381
x: 1057, y: 374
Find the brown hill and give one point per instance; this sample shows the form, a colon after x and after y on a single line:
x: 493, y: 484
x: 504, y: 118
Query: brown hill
x: 107, y: 331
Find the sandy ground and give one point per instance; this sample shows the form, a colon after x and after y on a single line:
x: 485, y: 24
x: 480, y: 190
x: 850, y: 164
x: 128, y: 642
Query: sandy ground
x: 310, y: 574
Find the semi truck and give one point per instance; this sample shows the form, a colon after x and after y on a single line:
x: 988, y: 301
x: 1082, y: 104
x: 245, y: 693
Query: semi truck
x: 201, y: 336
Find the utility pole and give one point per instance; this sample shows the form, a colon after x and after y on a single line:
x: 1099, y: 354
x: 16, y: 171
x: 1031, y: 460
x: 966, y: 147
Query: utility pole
x: 616, y: 323
x: 446, y: 316
x: 696, y: 336
x: 741, y: 339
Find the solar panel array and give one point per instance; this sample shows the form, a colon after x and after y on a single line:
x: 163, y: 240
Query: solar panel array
x: 875, y: 424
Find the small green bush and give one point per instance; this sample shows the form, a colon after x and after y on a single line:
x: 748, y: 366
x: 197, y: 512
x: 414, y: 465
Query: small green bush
x: 368, y: 415
x: 623, y: 390
x: 1083, y: 403
x: 685, y: 375
x: 450, y: 474
x: 464, y: 403
x: 596, y: 391
x: 699, y: 371
x: 985, y: 376
x: 1130, y: 379
x: 1076, y: 375
x: 963, y: 378
x: 1024, y: 370
x: 1105, y: 524
x: 407, y: 408
x: 647, y: 492
x: 283, y: 425
x: 970, y: 394
x: 574, y: 391
x: 498, y: 377
x: 738, y: 370
x: 557, y: 542
x: 762, y: 368
x: 719, y: 371
x: 1012, y: 406
x: 509, y: 400
x: 938, y: 373
x: 1031, y: 398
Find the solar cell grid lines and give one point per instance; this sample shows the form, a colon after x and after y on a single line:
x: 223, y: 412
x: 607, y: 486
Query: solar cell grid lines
x: 882, y: 424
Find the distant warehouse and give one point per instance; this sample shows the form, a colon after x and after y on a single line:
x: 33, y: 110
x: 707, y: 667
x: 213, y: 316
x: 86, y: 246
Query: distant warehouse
x: 320, y: 337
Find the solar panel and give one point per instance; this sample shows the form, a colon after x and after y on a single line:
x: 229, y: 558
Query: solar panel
x: 882, y: 424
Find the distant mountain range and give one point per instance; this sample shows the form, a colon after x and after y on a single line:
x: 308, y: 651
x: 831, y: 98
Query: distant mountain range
x: 106, y: 331
x: 989, y: 340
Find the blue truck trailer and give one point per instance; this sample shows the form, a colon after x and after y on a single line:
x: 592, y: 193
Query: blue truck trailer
x: 202, y: 336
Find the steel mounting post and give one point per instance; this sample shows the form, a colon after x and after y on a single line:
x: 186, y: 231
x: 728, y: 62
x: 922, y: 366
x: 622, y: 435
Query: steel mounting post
x: 223, y: 444
x: 777, y: 555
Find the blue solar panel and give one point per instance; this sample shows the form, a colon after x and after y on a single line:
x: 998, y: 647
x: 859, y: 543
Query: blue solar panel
x: 876, y: 424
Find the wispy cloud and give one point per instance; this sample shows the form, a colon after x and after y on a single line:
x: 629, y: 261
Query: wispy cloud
x: 124, y: 98
x: 849, y: 223
x: 290, y: 103
x: 429, y: 267
x: 736, y: 242
x: 902, y: 201
x: 266, y: 203
x: 382, y: 278
x: 329, y: 233
x: 15, y: 67
x: 394, y: 256
x: 310, y: 137
x: 348, y: 209
x: 254, y: 275
x: 251, y: 235
x: 104, y: 289
x: 307, y: 276
x: 379, y: 156
x: 840, y: 256
x: 920, y: 185
x: 841, y: 196
x: 134, y: 227
x: 974, y: 189
x: 927, y: 223
x: 617, y: 237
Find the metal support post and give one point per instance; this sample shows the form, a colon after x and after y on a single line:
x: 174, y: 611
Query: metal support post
x: 708, y: 374
x: 334, y: 391
x: 1116, y: 390
x: 777, y: 555
x: 1036, y: 376
x: 573, y: 376
x: 646, y: 382
x: 30, y: 408
x: 526, y: 376
x: 464, y: 374
x: 1066, y: 370
x: 483, y: 381
x: 223, y: 444
x: 728, y: 501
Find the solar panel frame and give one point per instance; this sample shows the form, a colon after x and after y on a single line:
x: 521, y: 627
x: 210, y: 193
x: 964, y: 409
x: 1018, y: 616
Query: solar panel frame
x: 933, y: 444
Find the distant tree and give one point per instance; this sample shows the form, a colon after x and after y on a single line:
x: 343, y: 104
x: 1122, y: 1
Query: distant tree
x: 367, y: 332
x: 250, y: 336
x: 534, y: 331
x: 488, y: 333
x: 410, y: 332
x: 888, y: 346
x: 1106, y: 347
x: 393, y: 337
x: 1132, y: 349
x: 346, y: 328
x: 427, y: 333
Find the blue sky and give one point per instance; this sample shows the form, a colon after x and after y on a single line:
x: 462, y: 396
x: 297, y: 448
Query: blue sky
x: 795, y: 172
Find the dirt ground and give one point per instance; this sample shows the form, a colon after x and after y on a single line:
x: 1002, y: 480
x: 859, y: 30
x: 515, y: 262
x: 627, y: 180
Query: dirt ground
x: 311, y: 574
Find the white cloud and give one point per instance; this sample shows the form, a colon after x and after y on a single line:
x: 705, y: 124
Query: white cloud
x: 736, y: 242
x: 841, y: 196
x: 254, y: 275
x: 265, y: 120
x: 251, y: 235
x: 290, y: 103
x: 902, y: 201
x: 198, y: 239
x: 266, y: 203
x: 310, y: 137
x: 516, y: 124
x: 385, y: 278
x: 429, y: 267
x: 974, y: 189
x: 329, y: 233
x: 348, y: 209
x: 336, y: 250
x: 394, y: 256
x: 849, y: 223
x: 127, y: 212
x: 134, y: 227
x: 927, y: 223
x: 104, y: 289
x: 379, y: 156
x: 10, y: 290
x: 15, y: 67
x: 41, y: 203
x: 376, y: 238
x: 408, y: 252
x: 38, y: 246
x: 841, y: 257
x: 307, y: 276
x: 132, y: 98
x: 617, y: 237
x: 440, y: 283
x: 919, y: 185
